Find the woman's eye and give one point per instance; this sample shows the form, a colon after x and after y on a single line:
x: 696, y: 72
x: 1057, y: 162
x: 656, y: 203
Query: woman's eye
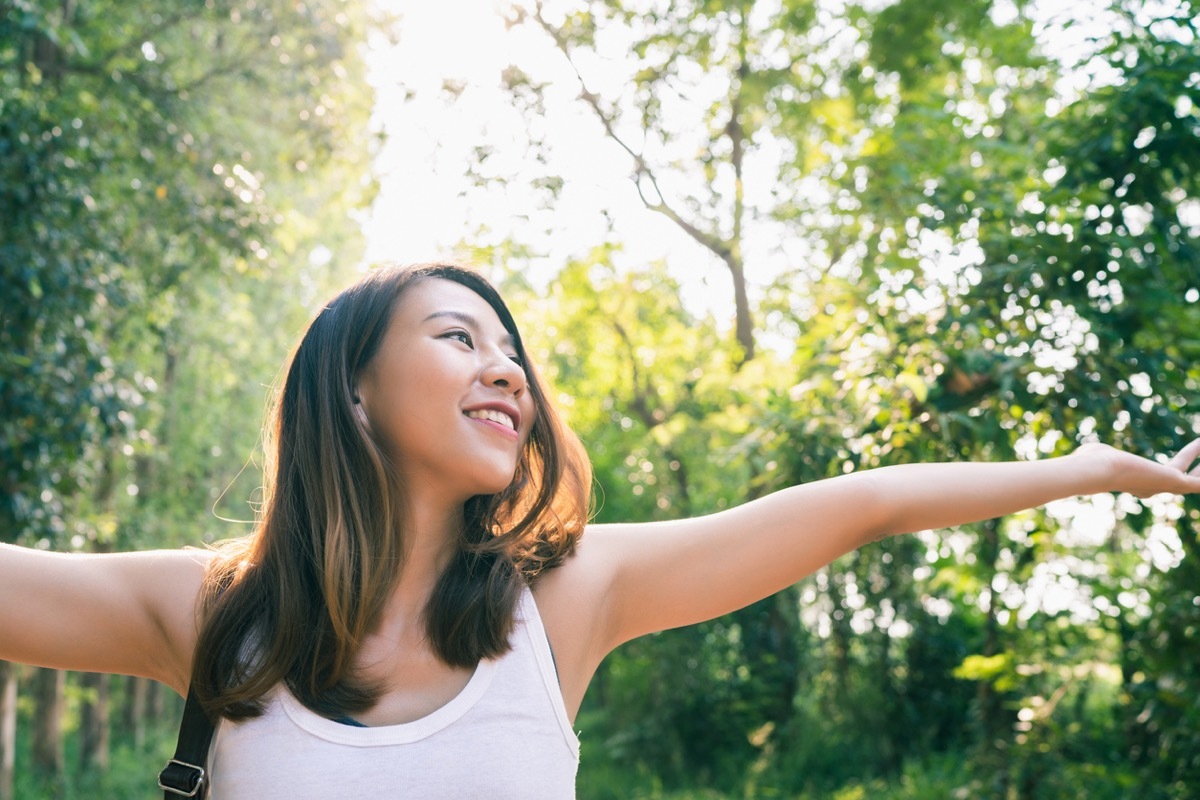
x: 460, y: 336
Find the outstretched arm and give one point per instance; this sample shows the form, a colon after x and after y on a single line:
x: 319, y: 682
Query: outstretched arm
x: 917, y: 497
x: 131, y: 613
x: 663, y: 575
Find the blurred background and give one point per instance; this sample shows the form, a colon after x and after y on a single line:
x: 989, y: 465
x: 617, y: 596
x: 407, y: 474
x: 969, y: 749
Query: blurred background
x: 751, y: 244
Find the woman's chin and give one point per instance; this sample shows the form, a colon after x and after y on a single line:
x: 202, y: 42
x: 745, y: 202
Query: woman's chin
x: 493, y: 485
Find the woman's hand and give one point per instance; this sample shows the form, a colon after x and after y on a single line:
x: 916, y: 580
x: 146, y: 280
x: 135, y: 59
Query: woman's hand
x: 1143, y: 477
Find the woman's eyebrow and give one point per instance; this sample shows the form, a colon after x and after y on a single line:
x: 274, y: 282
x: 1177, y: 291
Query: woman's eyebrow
x: 468, y: 320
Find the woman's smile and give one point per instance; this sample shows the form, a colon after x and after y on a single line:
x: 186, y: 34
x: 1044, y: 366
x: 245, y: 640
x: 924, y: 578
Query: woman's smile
x: 502, y: 417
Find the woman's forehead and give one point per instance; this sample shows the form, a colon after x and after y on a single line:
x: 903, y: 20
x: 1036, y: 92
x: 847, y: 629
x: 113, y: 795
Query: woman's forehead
x: 441, y: 298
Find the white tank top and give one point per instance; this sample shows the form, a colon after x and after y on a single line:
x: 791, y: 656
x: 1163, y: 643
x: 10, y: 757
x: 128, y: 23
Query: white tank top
x: 506, y: 735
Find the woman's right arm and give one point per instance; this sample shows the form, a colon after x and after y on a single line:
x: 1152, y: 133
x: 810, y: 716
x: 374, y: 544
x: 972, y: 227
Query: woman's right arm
x: 130, y: 613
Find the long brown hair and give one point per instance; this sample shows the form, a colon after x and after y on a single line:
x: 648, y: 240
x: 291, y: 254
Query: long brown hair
x: 292, y: 602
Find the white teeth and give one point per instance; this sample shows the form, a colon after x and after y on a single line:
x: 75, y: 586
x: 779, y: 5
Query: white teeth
x: 493, y: 415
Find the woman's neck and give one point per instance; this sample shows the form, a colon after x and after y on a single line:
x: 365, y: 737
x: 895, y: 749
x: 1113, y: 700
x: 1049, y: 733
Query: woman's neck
x: 431, y: 534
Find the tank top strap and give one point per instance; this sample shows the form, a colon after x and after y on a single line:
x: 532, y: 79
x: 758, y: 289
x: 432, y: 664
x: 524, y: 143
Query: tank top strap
x: 533, y: 634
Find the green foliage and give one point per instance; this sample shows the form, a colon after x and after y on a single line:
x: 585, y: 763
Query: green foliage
x: 141, y: 170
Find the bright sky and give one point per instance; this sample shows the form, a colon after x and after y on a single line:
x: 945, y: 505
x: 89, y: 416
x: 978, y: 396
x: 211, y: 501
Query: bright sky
x: 424, y: 211
x: 421, y: 211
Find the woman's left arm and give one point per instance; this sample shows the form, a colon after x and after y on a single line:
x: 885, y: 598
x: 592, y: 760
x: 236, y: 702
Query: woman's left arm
x: 667, y: 574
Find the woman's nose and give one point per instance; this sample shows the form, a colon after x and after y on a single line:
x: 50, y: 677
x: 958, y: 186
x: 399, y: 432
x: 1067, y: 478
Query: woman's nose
x: 503, y: 372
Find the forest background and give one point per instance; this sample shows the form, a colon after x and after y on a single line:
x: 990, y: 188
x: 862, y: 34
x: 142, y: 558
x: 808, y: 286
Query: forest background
x: 945, y: 236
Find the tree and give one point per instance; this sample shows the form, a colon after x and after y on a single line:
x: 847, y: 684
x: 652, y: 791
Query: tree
x: 1074, y: 256
x: 155, y: 167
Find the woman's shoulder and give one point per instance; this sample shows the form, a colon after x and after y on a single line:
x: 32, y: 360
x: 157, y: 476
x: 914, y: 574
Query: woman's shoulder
x: 174, y: 581
x: 167, y: 586
x: 179, y: 573
x: 579, y: 575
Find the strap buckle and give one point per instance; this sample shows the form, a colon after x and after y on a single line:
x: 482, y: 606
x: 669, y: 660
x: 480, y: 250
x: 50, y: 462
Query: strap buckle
x: 181, y: 778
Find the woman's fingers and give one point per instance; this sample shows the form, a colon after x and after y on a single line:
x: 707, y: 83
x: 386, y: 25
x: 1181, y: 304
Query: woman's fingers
x: 1184, y: 459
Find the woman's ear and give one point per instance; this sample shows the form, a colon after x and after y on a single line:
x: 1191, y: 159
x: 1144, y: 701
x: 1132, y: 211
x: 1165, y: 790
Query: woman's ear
x: 359, y: 411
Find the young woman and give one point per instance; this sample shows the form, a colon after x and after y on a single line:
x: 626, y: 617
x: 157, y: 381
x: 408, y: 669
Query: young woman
x: 420, y: 608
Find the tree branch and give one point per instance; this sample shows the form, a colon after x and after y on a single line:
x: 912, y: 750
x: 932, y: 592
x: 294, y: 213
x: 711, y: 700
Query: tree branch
x: 709, y: 241
x: 728, y: 250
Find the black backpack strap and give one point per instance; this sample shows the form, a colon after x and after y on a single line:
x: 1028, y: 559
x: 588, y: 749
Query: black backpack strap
x: 184, y: 775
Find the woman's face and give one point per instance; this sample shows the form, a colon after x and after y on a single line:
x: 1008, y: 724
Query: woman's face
x: 444, y: 395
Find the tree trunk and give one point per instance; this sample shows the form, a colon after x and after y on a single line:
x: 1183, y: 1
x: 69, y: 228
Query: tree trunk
x: 49, y: 695
x: 1139, y: 738
x: 993, y: 743
x: 8, y: 727
x: 839, y: 633
x: 743, y: 318
x: 134, y: 713
x: 93, y: 722
x: 891, y: 748
x: 47, y: 53
x: 155, y: 703
x: 743, y: 323
x: 768, y: 636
